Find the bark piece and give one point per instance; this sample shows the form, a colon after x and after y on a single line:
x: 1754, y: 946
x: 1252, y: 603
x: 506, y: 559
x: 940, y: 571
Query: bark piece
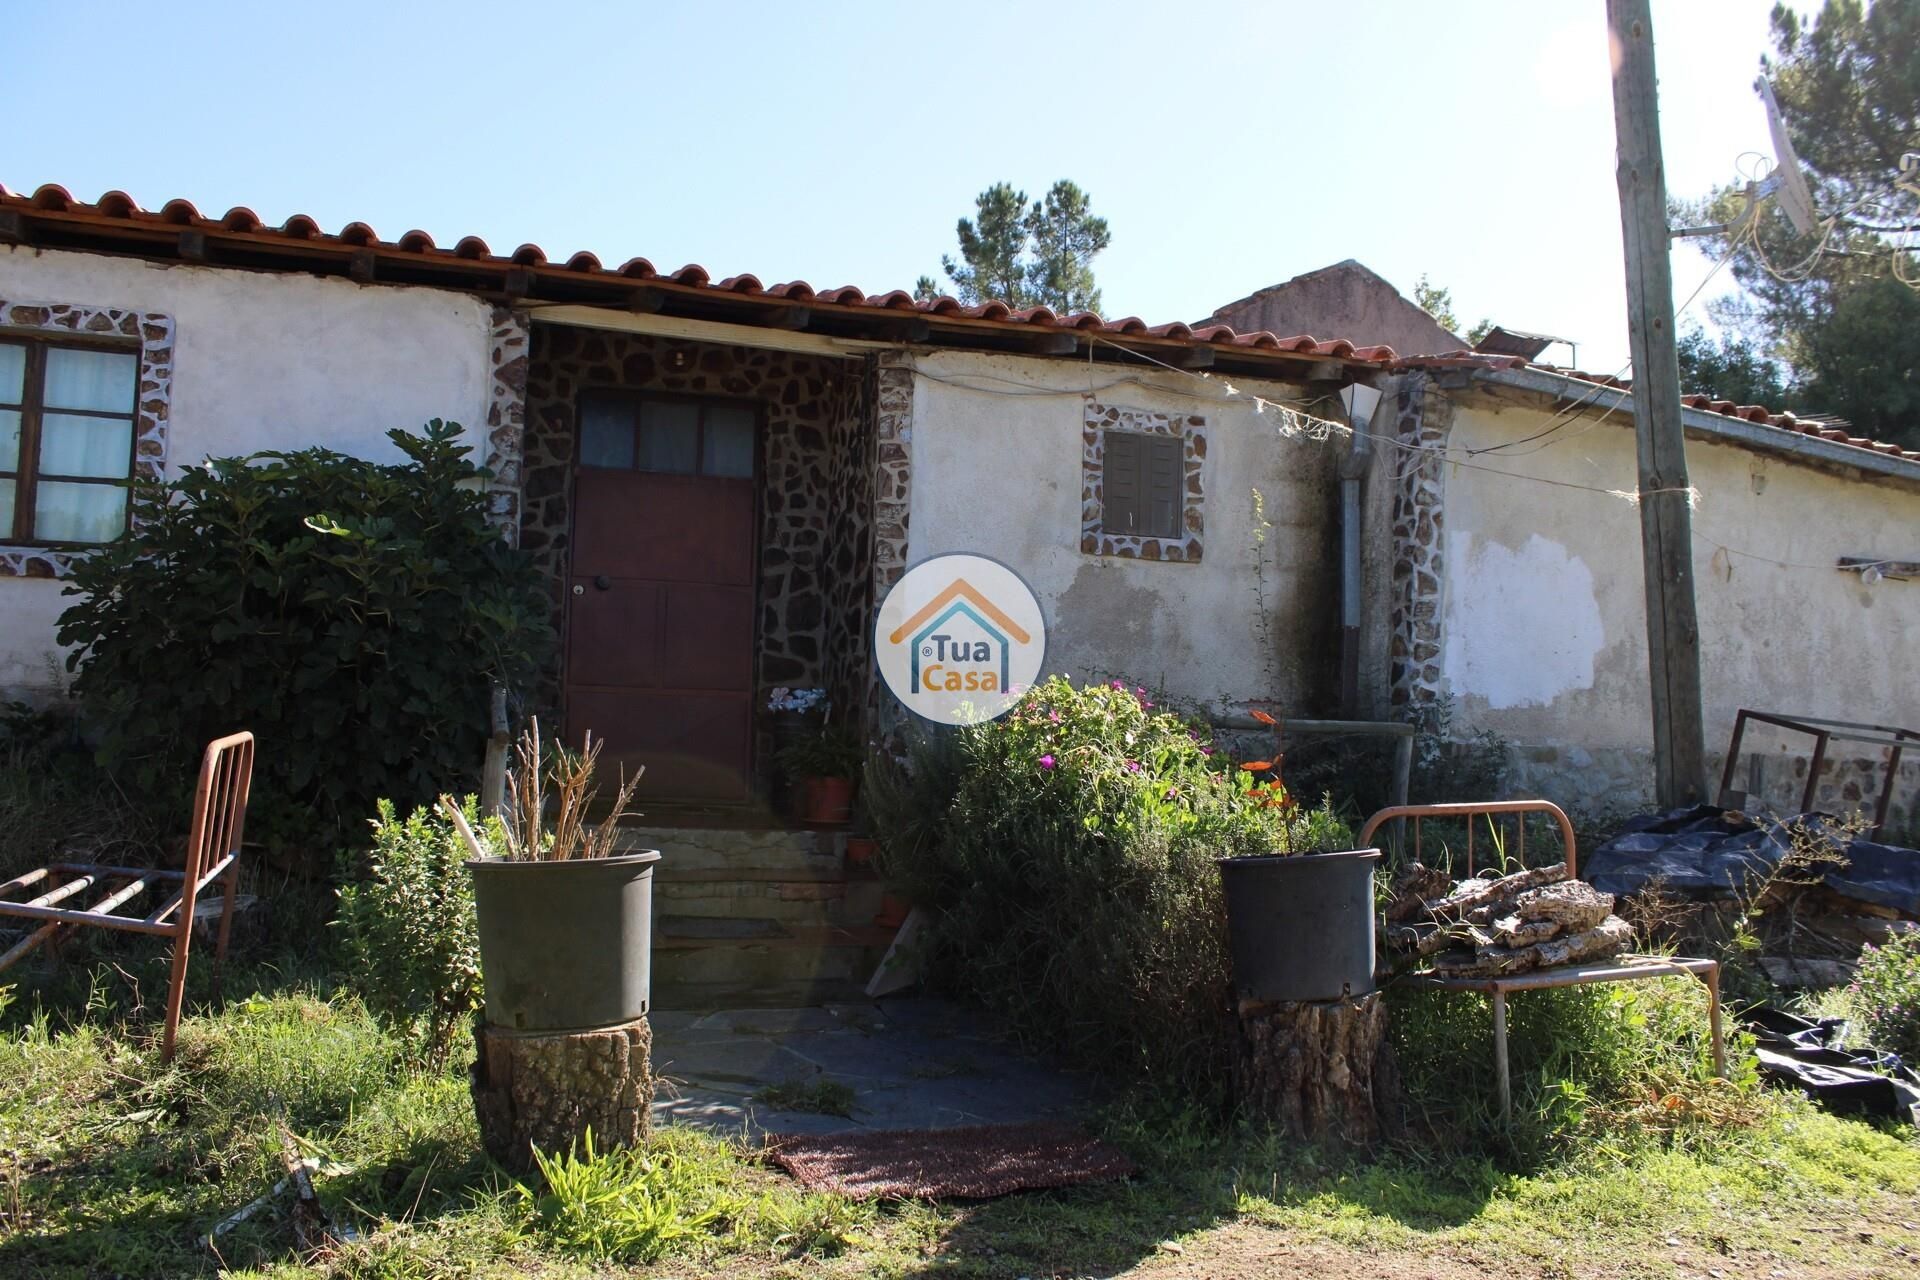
x: 1609, y: 938
x: 1471, y: 896
x: 1322, y: 1071
x: 1572, y: 906
x: 1413, y: 888
x: 547, y: 1090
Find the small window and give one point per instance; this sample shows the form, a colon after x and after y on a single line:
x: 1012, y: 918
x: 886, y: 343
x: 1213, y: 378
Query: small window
x: 626, y: 432
x: 1140, y: 478
x: 66, y: 440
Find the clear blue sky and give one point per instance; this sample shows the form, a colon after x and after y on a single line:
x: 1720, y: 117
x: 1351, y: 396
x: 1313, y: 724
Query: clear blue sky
x: 1230, y: 145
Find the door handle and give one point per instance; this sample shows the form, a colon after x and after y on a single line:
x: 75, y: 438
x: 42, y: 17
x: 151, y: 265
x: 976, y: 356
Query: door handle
x: 602, y: 582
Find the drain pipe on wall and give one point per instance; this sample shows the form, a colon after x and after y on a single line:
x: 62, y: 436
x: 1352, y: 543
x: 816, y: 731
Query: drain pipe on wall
x: 1362, y: 403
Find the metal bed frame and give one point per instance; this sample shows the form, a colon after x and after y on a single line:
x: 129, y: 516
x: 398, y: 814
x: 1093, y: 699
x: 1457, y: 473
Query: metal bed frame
x: 1630, y: 968
x: 213, y: 854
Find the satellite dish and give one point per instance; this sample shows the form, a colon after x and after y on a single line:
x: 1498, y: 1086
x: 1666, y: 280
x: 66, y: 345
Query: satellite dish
x: 1788, y: 182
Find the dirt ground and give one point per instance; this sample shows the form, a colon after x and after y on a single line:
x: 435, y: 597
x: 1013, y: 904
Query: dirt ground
x: 1881, y: 1242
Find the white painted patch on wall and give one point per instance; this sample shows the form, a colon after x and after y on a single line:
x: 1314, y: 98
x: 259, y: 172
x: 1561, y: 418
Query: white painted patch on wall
x: 1523, y: 626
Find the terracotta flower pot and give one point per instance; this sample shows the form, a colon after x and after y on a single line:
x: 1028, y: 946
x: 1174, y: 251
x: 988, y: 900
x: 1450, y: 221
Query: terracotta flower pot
x: 859, y: 850
x: 893, y: 911
x: 828, y: 801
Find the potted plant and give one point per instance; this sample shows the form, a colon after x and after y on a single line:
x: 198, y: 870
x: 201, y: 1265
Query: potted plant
x: 825, y: 764
x: 1300, y: 920
x: 793, y: 716
x: 564, y: 914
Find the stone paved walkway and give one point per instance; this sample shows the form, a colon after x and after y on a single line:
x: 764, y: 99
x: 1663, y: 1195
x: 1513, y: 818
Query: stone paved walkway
x: 910, y: 1062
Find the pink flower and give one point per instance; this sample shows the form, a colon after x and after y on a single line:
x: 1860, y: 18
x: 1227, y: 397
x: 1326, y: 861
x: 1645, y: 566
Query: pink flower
x: 1046, y: 762
x: 1054, y: 716
x: 1120, y: 684
x: 1206, y: 751
x: 1133, y: 766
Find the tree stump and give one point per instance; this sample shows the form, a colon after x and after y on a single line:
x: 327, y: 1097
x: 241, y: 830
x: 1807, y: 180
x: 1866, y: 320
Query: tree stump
x: 547, y: 1090
x: 1322, y: 1072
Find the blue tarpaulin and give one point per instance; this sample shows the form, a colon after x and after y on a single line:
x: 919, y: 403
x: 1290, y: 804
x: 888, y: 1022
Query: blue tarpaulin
x: 1707, y: 852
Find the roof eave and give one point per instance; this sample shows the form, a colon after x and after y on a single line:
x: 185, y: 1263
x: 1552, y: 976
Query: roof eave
x: 1828, y: 455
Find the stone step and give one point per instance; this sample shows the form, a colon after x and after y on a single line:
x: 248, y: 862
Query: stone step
x: 850, y: 897
x: 801, y: 902
x: 732, y: 962
x: 693, y: 850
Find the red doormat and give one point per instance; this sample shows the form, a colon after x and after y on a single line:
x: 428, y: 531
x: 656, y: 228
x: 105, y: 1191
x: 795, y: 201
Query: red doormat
x: 972, y: 1163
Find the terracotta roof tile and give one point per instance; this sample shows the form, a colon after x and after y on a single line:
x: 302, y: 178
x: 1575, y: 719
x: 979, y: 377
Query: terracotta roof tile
x: 55, y: 200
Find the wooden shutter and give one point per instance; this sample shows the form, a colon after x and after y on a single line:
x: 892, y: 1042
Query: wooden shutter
x: 1162, y: 510
x: 1122, y: 482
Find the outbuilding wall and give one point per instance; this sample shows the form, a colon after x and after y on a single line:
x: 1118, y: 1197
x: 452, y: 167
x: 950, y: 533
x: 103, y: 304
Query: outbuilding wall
x: 1542, y: 613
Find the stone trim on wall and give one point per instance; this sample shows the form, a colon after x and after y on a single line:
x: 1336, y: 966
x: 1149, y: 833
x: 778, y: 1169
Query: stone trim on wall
x: 1191, y: 430
x: 1422, y: 422
x: 892, y: 469
x: 155, y: 333
x: 508, y: 341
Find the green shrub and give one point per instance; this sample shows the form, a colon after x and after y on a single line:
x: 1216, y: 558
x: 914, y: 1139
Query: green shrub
x: 353, y: 614
x: 1628, y: 1057
x: 1066, y: 853
x: 408, y: 928
x: 685, y: 1192
x: 1886, y: 992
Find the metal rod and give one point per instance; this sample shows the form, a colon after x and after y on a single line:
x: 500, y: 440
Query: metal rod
x: 62, y: 893
x: 22, y: 881
x: 127, y: 923
x: 1813, y: 771
x: 28, y: 943
x: 1500, y: 1057
x: 1712, y: 980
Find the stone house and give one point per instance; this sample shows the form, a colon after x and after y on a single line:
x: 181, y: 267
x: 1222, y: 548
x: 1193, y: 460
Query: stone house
x: 722, y: 477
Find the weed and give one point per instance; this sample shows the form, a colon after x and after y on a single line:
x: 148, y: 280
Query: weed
x: 1886, y: 995
x: 818, y: 1096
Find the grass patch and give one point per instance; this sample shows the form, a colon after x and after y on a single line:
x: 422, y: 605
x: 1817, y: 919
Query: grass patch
x: 818, y: 1096
x: 111, y: 1165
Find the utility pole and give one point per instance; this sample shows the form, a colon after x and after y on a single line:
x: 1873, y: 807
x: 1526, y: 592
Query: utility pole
x: 1666, y: 518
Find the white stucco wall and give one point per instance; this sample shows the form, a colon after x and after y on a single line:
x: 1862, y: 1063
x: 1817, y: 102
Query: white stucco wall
x: 261, y: 361
x: 1544, y: 619
x: 997, y: 471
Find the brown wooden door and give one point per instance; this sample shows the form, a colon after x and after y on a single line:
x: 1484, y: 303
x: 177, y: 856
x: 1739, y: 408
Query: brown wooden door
x: 660, y: 620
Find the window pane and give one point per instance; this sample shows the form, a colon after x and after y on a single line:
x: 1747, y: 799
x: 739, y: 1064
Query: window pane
x: 9, y: 445
x: 91, y: 379
x: 606, y: 434
x: 67, y: 512
x: 669, y: 436
x: 13, y: 371
x: 6, y: 510
x: 74, y: 446
x: 727, y: 447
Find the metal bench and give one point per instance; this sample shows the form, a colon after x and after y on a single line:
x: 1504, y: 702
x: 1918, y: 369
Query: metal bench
x: 1627, y: 968
x: 213, y: 853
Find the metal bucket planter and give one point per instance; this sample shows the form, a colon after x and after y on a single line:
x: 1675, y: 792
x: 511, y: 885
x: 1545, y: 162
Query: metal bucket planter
x: 1301, y: 926
x: 565, y: 946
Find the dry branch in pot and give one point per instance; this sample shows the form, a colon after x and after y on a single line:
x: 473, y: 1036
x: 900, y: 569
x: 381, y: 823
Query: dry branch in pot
x: 559, y: 778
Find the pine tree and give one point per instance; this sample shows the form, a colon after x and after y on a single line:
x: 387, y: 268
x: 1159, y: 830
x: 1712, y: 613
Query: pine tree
x: 1026, y: 255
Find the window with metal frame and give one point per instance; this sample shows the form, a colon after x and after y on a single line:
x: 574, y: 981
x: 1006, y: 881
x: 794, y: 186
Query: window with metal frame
x: 676, y: 435
x: 66, y: 439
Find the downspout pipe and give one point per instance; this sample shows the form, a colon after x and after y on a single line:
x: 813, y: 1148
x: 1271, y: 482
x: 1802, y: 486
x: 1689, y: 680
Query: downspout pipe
x: 1353, y: 469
